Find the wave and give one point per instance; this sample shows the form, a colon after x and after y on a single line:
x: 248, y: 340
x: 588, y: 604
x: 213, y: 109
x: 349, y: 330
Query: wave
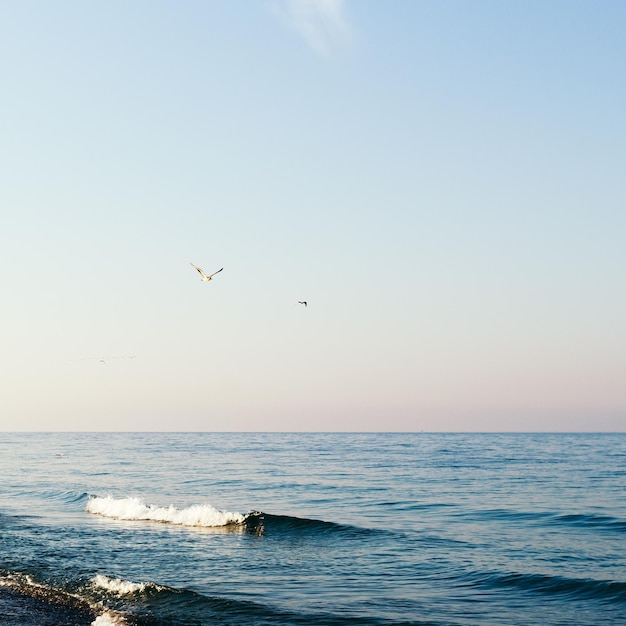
x: 169, y: 603
x: 202, y: 515
x: 151, y: 603
x: 207, y: 516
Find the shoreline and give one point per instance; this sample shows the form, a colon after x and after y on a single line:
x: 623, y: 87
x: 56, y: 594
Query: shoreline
x: 19, y: 609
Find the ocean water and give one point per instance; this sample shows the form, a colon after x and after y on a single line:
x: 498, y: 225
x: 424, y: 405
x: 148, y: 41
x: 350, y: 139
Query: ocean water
x: 269, y: 529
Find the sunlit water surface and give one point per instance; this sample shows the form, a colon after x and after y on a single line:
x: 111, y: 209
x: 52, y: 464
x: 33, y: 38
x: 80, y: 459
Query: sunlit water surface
x: 269, y: 529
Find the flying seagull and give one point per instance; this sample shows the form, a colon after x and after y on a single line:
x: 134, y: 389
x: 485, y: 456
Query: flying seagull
x: 206, y: 278
x: 302, y: 302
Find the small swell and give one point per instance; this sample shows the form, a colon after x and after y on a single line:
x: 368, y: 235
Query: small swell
x: 574, y: 588
x: 66, y: 497
x: 572, y: 520
x: 597, y: 522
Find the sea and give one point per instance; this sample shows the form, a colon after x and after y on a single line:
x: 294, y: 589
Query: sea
x: 425, y: 529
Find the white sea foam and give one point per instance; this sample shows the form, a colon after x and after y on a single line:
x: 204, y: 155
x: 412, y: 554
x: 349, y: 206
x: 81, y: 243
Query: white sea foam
x: 134, y: 509
x: 109, y: 618
x: 117, y: 585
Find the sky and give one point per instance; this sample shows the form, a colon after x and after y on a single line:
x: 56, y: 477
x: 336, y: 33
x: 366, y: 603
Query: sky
x: 442, y: 182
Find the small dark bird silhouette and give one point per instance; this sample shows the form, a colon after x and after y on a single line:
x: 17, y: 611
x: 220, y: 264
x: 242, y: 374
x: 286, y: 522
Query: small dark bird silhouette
x: 302, y: 302
x: 204, y: 277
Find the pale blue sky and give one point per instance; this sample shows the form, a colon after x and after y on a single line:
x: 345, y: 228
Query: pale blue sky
x: 443, y: 182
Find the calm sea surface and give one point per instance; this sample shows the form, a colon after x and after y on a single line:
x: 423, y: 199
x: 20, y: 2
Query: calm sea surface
x: 280, y: 529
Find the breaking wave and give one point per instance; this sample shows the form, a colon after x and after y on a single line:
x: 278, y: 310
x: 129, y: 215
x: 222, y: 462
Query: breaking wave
x: 119, y: 587
x: 201, y: 515
x: 207, y: 516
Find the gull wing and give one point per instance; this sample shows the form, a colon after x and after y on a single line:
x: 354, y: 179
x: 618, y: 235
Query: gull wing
x: 199, y: 270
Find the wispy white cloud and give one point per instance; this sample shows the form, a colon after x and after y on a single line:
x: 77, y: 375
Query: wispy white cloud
x: 320, y: 23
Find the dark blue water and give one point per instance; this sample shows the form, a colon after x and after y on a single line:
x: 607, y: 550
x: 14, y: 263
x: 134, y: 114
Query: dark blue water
x: 268, y: 529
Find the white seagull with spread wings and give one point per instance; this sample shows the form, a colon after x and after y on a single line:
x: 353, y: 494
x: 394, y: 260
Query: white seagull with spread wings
x: 205, y: 278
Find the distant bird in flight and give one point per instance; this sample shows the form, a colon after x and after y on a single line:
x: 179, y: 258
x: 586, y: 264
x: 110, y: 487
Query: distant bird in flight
x: 206, y: 278
x: 302, y: 302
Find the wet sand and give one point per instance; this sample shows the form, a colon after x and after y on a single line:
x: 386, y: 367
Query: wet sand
x: 17, y: 609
